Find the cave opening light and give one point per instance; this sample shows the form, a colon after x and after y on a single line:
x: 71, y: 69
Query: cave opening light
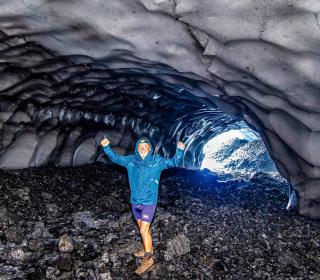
x: 238, y: 153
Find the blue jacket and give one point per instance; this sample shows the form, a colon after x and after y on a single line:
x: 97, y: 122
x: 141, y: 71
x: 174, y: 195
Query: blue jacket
x: 144, y: 173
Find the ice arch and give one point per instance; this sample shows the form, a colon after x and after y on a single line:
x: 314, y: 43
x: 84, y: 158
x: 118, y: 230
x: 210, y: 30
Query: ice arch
x: 172, y: 68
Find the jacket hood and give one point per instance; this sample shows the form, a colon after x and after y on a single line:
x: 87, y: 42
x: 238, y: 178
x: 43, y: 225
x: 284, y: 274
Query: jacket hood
x: 144, y: 139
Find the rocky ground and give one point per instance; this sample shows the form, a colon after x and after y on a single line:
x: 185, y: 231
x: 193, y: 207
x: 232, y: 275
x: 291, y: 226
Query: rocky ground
x: 76, y: 223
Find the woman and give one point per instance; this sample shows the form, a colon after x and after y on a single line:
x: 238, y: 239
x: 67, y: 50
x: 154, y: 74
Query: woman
x: 144, y: 171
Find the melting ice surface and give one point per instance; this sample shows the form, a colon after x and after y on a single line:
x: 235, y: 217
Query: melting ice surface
x: 238, y: 153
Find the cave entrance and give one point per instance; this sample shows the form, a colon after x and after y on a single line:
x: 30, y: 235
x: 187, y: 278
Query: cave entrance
x: 238, y: 153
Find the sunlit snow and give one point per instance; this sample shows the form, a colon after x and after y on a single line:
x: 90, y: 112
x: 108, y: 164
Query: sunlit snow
x: 219, y: 142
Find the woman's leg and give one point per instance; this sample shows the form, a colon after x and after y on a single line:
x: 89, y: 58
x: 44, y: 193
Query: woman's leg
x: 146, y: 219
x: 139, y: 225
x: 146, y: 236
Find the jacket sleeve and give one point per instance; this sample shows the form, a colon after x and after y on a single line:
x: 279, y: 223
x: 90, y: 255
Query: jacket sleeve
x: 115, y: 157
x: 173, y: 162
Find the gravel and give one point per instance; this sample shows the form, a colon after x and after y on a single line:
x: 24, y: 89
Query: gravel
x: 76, y: 223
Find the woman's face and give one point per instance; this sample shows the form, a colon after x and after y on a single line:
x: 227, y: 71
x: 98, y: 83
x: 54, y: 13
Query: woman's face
x: 143, y: 149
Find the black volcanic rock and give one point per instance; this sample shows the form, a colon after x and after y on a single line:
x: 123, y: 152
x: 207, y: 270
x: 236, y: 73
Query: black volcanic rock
x: 203, y: 228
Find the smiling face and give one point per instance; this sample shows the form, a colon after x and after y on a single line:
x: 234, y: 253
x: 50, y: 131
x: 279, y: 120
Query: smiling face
x: 143, y: 149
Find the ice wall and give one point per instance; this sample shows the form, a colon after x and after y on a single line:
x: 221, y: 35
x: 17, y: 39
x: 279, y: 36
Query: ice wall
x: 169, y: 66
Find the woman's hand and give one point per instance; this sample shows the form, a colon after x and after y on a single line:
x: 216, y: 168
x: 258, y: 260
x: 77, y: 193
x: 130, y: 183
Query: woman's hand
x: 181, y: 145
x: 105, y: 142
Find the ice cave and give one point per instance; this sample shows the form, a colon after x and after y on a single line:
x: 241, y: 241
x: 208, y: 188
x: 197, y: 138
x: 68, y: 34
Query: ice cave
x: 74, y: 72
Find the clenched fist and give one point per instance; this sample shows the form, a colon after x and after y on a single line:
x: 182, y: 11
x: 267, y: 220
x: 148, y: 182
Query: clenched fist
x: 181, y: 145
x: 105, y: 142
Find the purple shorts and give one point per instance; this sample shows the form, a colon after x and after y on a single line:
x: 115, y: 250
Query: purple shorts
x: 143, y: 212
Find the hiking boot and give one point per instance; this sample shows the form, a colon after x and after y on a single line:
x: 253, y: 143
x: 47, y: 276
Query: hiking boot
x: 140, y: 253
x: 147, y: 263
